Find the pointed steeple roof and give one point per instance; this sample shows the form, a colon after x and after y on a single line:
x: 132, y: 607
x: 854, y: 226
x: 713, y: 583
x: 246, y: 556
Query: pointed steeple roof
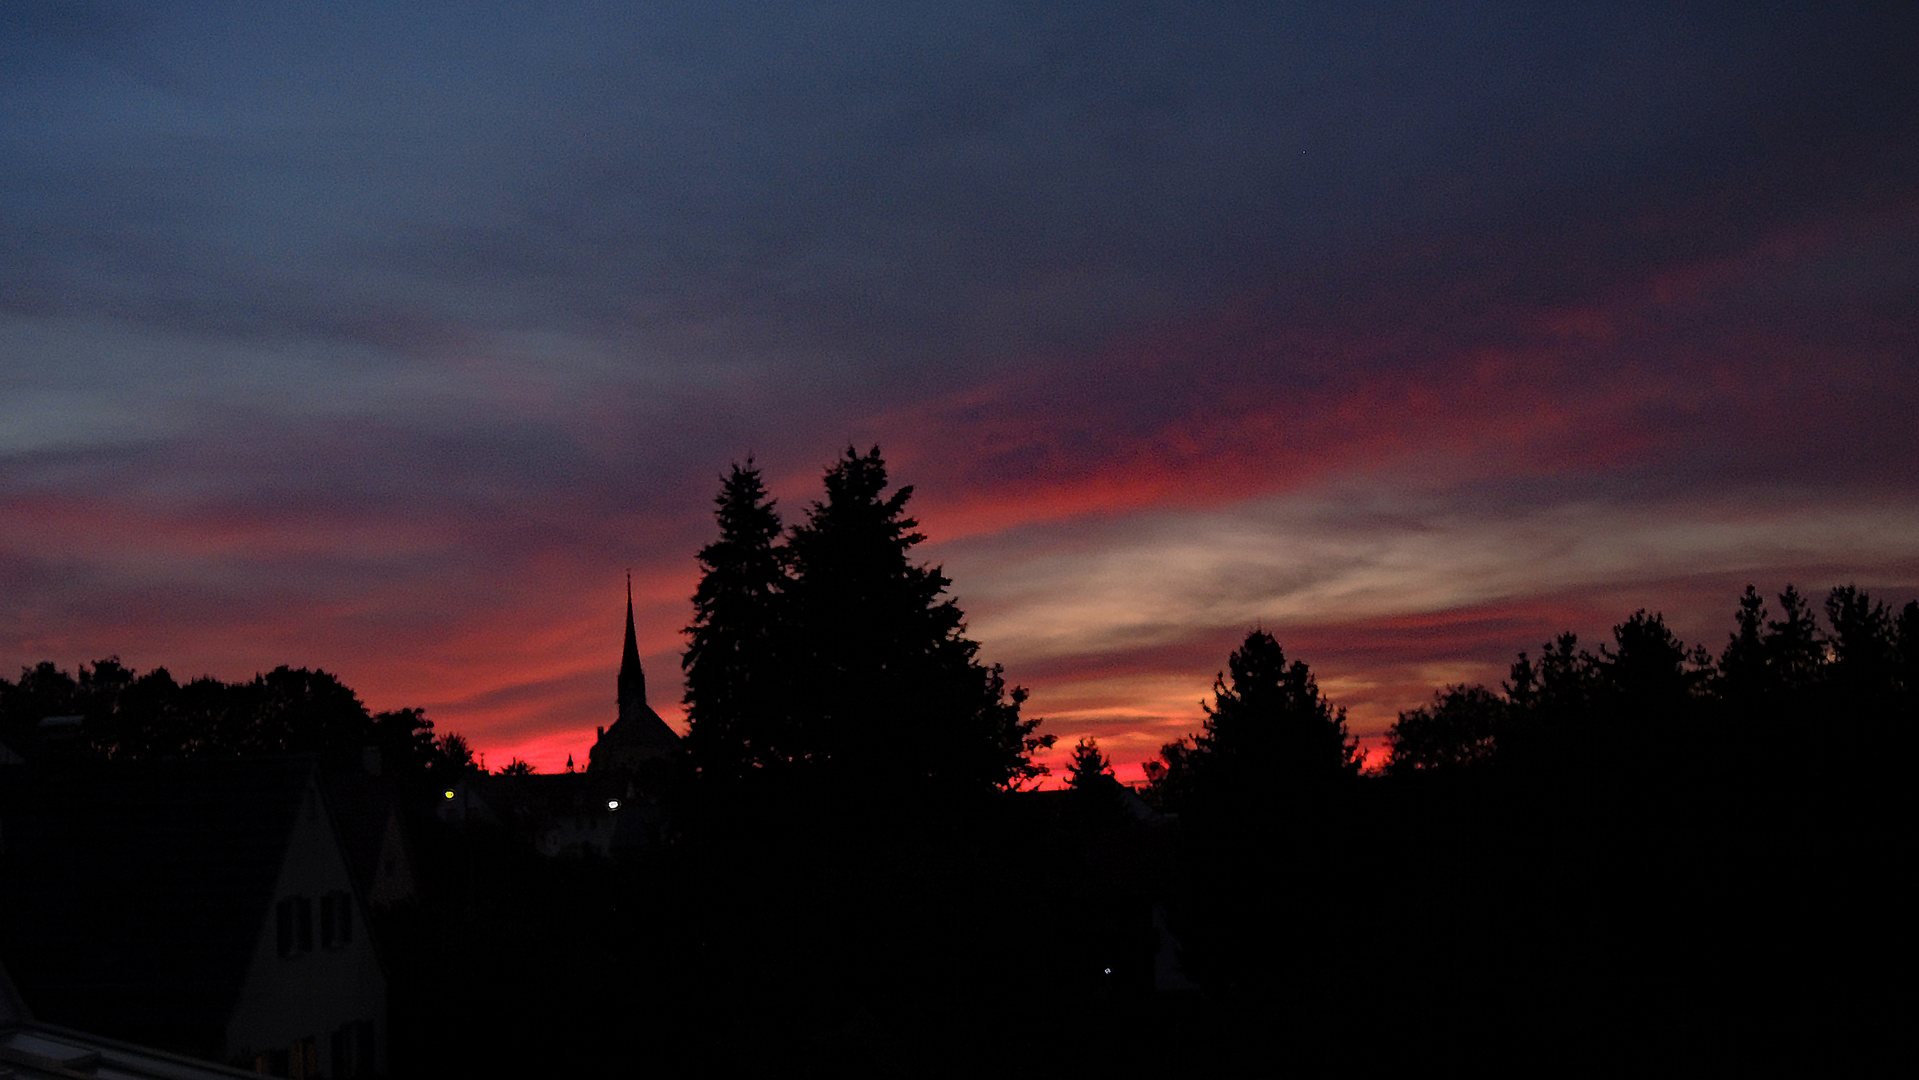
x: 632, y: 678
x: 638, y: 734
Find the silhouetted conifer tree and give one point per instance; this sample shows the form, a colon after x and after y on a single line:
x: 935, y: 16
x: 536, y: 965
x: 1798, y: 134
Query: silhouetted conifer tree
x: 1269, y: 732
x: 1869, y: 681
x: 1259, y: 790
x: 1552, y: 702
x: 1563, y: 682
x: 1742, y: 678
x: 1090, y: 770
x: 1650, y: 677
x: 1795, y: 647
x: 1865, y: 649
x: 890, y: 693
x: 737, y: 690
x: 1770, y: 675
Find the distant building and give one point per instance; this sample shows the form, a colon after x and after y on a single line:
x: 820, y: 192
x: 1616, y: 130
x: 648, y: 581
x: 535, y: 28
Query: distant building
x: 638, y: 736
x: 612, y: 807
x: 558, y: 813
x: 202, y: 907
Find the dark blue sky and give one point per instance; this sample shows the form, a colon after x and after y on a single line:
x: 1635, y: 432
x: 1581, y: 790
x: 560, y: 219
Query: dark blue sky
x: 385, y: 337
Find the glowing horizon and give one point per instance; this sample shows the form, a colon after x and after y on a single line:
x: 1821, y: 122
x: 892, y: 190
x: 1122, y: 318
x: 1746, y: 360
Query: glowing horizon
x: 1413, y: 337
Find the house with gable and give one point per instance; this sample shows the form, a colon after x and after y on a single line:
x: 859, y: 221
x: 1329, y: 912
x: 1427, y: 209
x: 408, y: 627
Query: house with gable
x: 365, y: 810
x: 201, y: 907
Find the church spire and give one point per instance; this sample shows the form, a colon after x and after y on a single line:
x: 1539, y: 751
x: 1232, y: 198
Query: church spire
x: 632, y: 679
x: 639, y: 735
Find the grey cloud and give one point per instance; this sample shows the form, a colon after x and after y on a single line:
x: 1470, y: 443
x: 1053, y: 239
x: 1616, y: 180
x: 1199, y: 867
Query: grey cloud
x: 482, y: 283
x: 875, y: 180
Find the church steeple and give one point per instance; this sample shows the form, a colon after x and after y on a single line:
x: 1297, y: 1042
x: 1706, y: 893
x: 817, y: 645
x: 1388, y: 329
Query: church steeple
x: 638, y: 736
x: 632, y: 679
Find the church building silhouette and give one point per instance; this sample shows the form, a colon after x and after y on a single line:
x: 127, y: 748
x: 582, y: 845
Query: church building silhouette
x: 638, y: 736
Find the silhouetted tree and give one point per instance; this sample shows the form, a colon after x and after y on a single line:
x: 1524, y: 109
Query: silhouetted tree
x: 516, y: 767
x: 1269, y: 732
x: 1562, y: 683
x: 1648, y: 673
x: 1795, y: 648
x: 1459, y: 729
x: 890, y: 692
x: 1869, y: 682
x: 296, y: 710
x: 1090, y: 769
x: 735, y: 663
x: 405, y: 740
x: 1865, y: 647
x: 452, y: 755
x: 1259, y: 791
x: 1906, y: 648
x: 1552, y: 704
x: 1170, y: 779
x: 43, y: 690
x: 1742, y: 676
x: 1773, y: 672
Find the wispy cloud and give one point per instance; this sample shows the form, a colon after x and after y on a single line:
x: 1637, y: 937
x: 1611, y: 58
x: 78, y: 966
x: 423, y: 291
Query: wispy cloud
x: 384, y: 339
x: 1327, y: 558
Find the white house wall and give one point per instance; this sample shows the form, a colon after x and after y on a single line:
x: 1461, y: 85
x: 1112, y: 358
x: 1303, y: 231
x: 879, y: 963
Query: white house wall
x: 310, y: 994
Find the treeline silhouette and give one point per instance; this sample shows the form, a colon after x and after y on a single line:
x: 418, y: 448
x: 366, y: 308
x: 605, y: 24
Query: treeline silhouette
x: 1781, y: 687
x: 1651, y: 848
x: 1647, y: 852
x: 109, y: 712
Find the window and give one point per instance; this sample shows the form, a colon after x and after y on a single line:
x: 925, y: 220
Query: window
x: 336, y: 920
x: 303, y: 922
x: 293, y: 925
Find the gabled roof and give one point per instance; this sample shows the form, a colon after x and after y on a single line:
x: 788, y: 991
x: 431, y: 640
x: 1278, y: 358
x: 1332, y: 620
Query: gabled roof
x: 640, y: 735
x: 364, y: 812
x: 133, y: 896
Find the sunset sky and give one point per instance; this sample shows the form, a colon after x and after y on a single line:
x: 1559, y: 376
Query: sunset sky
x: 385, y: 338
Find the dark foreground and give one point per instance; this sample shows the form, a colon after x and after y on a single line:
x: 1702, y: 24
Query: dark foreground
x: 1588, y: 920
